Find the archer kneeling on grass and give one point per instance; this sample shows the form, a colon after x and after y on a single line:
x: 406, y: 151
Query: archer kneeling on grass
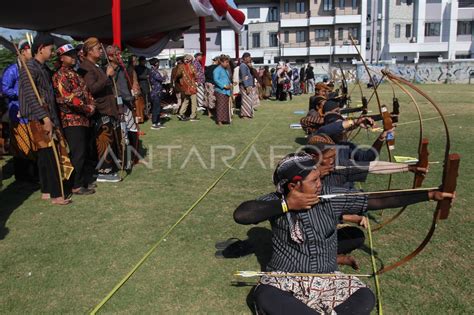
x: 305, y: 239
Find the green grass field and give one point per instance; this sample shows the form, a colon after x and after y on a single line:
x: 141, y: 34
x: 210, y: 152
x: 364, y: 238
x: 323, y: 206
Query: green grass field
x: 67, y: 259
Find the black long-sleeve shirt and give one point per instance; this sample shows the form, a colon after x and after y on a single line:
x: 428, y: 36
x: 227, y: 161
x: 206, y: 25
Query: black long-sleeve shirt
x: 256, y: 211
x: 317, y: 250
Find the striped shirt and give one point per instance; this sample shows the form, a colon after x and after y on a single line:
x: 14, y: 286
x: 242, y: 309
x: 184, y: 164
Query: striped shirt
x: 318, y: 251
x: 30, y: 107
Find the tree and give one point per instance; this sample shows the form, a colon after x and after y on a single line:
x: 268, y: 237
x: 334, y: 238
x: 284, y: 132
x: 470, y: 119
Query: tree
x: 6, y: 58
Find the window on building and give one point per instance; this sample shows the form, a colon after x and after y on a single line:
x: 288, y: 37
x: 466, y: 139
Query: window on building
x: 367, y: 41
x: 397, y: 30
x: 328, y: 5
x: 340, y: 33
x: 286, y: 7
x: 354, y: 31
x: 300, y: 7
x: 253, y: 13
x: 273, y: 40
x: 409, y: 2
x: 300, y: 36
x: 408, y: 30
x: 466, y: 4
x: 255, y: 40
x: 273, y: 14
x: 466, y: 28
x: 354, y: 4
x: 432, y: 29
x: 322, y: 35
x: 398, y: 2
x: 342, y: 4
x: 287, y: 36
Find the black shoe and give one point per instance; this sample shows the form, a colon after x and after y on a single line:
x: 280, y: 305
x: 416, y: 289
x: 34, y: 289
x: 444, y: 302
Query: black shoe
x: 92, y: 185
x: 84, y: 191
x: 182, y: 118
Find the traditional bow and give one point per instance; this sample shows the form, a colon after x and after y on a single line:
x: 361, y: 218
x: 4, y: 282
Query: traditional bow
x: 422, y: 151
x: 344, y: 88
x: 449, y: 180
x: 378, y: 101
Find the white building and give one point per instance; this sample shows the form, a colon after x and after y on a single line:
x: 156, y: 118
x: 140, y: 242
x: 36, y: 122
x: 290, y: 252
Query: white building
x: 318, y: 31
x: 425, y: 30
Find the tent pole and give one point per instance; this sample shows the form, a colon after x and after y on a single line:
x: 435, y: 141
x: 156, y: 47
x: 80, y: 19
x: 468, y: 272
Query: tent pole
x: 202, y: 39
x: 116, y: 23
x: 236, y: 39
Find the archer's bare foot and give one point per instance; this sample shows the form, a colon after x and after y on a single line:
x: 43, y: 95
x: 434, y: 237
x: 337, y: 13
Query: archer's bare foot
x: 347, y: 261
x: 60, y: 201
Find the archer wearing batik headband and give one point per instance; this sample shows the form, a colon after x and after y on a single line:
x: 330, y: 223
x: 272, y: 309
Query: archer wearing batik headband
x: 76, y: 106
x: 123, y: 92
x: 343, y: 173
x: 186, y: 76
x: 304, y: 239
x: 339, y: 171
x: 336, y: 126
x: 105, y: 121
x: 42, y: 117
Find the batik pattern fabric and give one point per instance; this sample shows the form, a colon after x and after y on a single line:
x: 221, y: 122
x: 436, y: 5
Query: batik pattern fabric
x: 248, y: 99
x: 255, y: 96
x: 187, y: 79
x: 210, y: 97
x: 201, y: 95
x: 21, y: 141
x: 128, y: 119
x: 73, y: 98
x: 107, y: 146
x: 222, y: 108
x: 156, y: 81
x: 200, y: 75
x: 312, y: 122
x: 322, y: 294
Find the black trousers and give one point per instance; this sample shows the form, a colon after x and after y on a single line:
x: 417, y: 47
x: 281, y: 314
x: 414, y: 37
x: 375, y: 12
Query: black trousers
x: 78, y: 140
x: 25, y: 169
x: 271, y: 300
x: 349, y: 238
x: 48, y: 173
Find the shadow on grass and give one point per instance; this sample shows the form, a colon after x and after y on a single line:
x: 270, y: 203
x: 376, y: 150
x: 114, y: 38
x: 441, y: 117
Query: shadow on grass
x: 261, y: 240
x: 12, y: 197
